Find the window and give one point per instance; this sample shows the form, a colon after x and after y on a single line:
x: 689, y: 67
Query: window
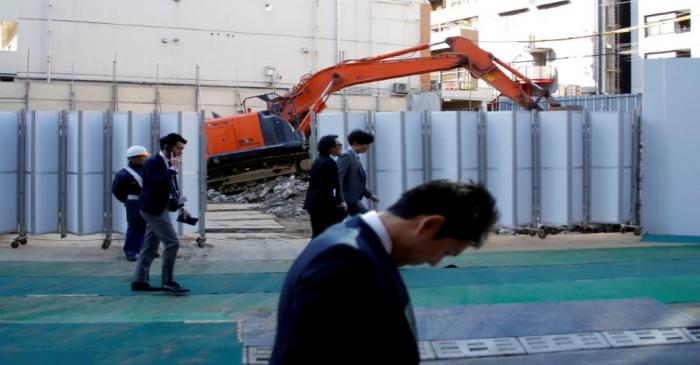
x: 680, y: 53
x: 667, y: 23
x: 8, y: 35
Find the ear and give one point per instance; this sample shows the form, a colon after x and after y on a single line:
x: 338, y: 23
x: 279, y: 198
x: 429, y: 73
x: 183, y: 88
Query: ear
x: 430, y: 225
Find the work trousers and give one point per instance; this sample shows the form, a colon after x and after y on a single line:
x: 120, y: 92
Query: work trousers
x: 135, y: 230
x: 160, y: 228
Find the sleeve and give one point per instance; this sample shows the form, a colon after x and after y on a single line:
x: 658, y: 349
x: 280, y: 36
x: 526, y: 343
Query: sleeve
x: 328, y: 180
x: 118, y: 188
x: 343, y: 164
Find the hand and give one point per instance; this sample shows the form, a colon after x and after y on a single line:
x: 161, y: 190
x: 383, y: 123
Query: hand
x: 185, y: 213
x: 175, y: 163
x: 343, y: 206
x: 374, y: 198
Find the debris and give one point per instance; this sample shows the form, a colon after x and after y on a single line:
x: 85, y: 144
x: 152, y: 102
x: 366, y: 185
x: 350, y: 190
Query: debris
x: 283, y: 197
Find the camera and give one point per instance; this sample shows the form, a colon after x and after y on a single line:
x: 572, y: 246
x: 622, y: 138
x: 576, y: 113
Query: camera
x: 189, y: 220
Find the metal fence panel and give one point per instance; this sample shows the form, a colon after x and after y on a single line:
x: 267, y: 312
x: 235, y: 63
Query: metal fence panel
x: 9, y: 170
x: 85, y: 172
x: 591, y: 103
x: 389, y: 148
x: 561, y: 167
x: 128, y: 129
x: 509, y: 169
x: 41, y: 172
x: 610, y: 163
x: 468, y: 146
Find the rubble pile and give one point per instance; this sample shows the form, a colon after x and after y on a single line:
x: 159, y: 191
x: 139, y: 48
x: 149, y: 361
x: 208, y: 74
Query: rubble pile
x: 282, y: 197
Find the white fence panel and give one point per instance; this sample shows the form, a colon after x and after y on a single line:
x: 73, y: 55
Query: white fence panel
x: 389, y: 149
x: 85, y: 172
x: 611, y: 164
x: 41, y: 172
x: 469, y: 146
x: 561, y: 168
x: 9, y: 170
x: 128, y: 129
x: 444, y: 145
x: 509, y: 165
x: 414, y: 150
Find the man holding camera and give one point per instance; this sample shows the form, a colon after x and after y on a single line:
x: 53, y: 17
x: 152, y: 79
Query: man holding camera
x: 159, y: 197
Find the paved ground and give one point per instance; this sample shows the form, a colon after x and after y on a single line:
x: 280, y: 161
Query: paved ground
x: 73, y: 295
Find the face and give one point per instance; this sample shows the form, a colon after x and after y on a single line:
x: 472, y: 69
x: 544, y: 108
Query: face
x: 360, y: 148
x: 178, y: 148
x: 139, y: 160
x: 418, y: 244
x: 338, y: 149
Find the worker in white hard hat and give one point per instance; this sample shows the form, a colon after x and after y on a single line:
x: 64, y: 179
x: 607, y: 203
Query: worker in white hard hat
x: 126, y: 187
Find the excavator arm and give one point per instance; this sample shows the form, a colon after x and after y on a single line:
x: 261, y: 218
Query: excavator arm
x: 313, y: 90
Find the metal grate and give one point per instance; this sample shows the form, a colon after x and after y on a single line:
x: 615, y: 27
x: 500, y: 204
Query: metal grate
x: 645, y: 337
x: 565, y: 342
x: 257, y: 355
x: 425, y: 350
x: 693, y: 333
x: 477, y: 347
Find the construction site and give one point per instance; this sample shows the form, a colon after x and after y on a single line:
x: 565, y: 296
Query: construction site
x: 576, y: 115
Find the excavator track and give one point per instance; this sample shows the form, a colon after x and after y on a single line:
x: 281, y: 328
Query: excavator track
x: 235, y: 176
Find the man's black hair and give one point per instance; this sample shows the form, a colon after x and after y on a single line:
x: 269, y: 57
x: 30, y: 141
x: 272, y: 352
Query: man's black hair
x: 469, y: 209
x: 326, y: 143
x: 359, y: 136
x: 171, y: 139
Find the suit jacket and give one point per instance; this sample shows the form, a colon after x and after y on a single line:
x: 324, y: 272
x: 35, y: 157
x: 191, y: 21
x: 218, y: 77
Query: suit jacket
x: 352, y: 177
x: 344, y: 302
x: 323, y: 194
x: 157, y: 185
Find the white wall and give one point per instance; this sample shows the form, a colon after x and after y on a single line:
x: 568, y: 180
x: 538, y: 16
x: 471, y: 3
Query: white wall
x: 670, y: 165
x: 231, y: 41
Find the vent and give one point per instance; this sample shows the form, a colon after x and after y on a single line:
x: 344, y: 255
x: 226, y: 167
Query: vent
x: 477, y: 348
x: 257, y: 355
x: 693, y: 333
x: 426, y: 352
x: 399, y: 88
x: 645, y: 337
x: 567, y: 342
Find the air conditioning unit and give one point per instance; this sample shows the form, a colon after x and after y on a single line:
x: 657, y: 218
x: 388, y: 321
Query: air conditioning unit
x: 399, y: 88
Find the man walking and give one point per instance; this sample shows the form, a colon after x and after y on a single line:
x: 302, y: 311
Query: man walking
x: 126, y: 187
x: 343, y: 300
x: 159, y: 196
x: 351, y: 174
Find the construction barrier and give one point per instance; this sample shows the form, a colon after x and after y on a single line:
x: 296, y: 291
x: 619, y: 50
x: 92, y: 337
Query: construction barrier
x: 60, y: 167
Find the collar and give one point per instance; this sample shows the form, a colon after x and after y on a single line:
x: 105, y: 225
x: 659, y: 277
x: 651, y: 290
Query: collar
x: 352, y: 152
x: 164, y: 158
x: 373, y: 221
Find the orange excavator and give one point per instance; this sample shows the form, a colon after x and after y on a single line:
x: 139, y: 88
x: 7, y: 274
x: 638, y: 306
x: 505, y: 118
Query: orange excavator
x: 256, y: 145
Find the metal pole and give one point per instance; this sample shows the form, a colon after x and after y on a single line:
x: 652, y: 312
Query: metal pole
x: 26, y: 83
x: 21, y: 171
x: 586, y: 169
x: 313, y: 136
x: 107, y: 163
x: 536, y: 168
x: 201, y: 240
x: 114, y: 84
x: 63, y: 173
x: 71, y: 101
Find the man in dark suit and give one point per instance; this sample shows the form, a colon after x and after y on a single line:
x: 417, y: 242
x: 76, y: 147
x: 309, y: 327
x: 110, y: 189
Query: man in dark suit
x: 158, y: 198
x: 343, y: 300
x: 323, y: 196
x: 351, y: 174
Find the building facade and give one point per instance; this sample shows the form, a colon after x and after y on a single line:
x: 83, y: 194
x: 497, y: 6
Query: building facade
x: 182, y: 55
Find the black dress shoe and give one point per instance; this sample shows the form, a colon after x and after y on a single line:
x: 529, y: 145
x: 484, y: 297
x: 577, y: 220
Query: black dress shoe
x: 139, y: 286
x: 173, y: 288
x: 131, y: 258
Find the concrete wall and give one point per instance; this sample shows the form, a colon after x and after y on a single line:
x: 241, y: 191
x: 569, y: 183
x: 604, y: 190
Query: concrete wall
x: 233, y: 42
x: 142, y: 98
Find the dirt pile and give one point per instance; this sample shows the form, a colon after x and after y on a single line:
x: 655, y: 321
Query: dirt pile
x: 282, y: 197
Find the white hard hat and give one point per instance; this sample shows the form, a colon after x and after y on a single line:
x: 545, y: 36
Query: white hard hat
x: 135, y: 151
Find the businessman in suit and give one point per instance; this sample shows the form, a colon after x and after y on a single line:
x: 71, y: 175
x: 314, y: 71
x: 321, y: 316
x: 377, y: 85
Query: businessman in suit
x: 351, y: 174
x: 343, y: 300
x: 323, y: 196
x: 159, y: 197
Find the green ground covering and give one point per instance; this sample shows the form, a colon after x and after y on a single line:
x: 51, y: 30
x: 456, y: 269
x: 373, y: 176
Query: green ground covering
x: 70, y: 305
